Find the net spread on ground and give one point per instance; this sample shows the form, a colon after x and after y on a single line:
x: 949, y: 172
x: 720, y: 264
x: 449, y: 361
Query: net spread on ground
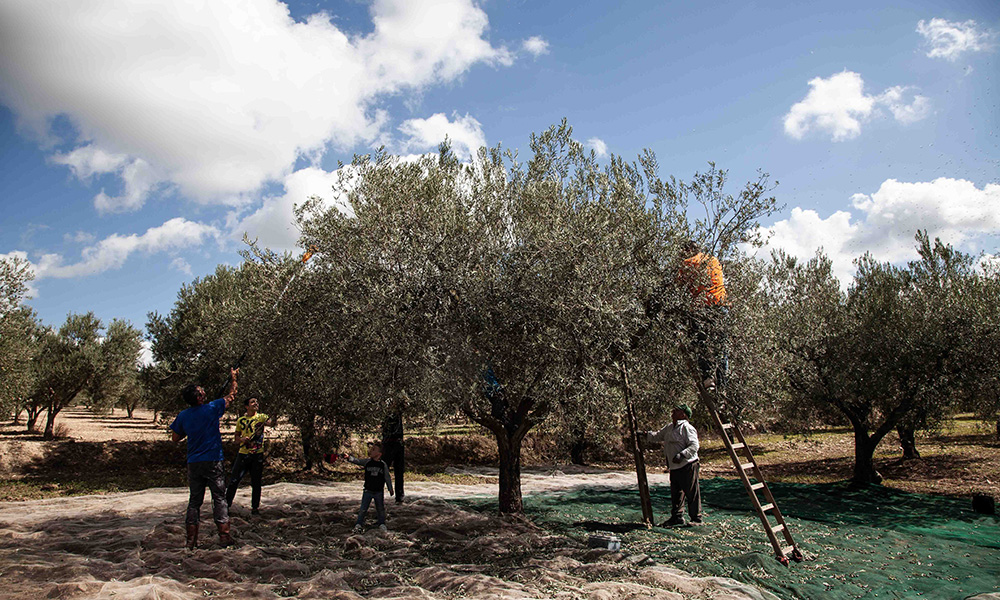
x: 873, y: 543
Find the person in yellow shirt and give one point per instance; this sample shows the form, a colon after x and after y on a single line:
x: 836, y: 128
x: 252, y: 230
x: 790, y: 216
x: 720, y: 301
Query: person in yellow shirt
x: 250, y: 459
x: 703, y: 276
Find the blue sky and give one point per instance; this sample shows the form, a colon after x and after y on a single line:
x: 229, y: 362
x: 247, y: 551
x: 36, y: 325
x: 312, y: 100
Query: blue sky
x: 139, y: 140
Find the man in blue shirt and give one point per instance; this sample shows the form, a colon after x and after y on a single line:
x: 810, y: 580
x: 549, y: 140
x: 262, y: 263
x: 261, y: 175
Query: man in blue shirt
x: 200, y: 424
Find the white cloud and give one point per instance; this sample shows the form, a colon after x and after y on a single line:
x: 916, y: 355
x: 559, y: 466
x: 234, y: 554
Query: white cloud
x: 905, y: 113
x: 951, y: 39
x: 598, y: 145
x: 838, y: 106
x: 272, y: 225
x: 535, y: 45
x: 179, y: 264
x: 89, y: 160
x: 139, y: 181
x: 113, y: 251
x: 465, y: 133
x: 219, y: 98
x: 136, y: 174
x: 80, y: 237
x: 885, y: 221
x: 146, y: 353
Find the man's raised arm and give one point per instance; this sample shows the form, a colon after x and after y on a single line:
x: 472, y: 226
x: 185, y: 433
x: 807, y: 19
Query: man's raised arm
x: 231, y: 392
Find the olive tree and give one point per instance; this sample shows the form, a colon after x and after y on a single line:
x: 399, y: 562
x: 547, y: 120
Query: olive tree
x: 116, y: 379
x: 202, y: 335
x: 19, y: 330
x: 509, y: 290
x: 67, y: 364
x: 885, y: 354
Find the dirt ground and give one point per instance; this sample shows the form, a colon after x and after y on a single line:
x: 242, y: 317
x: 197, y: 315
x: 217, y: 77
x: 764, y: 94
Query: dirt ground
x: 130, y: 546
x: 58, y: 542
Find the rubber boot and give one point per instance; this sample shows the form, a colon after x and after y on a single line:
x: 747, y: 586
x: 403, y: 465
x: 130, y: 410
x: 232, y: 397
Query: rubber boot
x: 192, y: 536
x: 224, y: 538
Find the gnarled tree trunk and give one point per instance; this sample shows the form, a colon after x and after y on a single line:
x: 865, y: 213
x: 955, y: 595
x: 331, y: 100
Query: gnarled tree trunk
x: 864, y: 458
x: 509, y: 451
x: 50, y: 423
x: 509, y: 426
x: 33, y: 410
x: 908, y: 442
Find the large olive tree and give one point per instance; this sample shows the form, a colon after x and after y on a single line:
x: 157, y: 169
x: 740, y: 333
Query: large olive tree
x: 887, y: 353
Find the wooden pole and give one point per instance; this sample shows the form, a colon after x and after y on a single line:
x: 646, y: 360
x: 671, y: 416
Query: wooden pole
x: 636, y: 446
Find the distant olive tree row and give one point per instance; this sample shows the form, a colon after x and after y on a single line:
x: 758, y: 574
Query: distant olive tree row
x: 45, y: 370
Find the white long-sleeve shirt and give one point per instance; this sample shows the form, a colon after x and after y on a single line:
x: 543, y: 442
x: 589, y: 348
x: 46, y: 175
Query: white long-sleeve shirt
x: 680, y: 443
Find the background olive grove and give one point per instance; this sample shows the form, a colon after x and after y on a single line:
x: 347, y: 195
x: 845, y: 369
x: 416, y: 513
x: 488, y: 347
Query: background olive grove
x: 535, y: 295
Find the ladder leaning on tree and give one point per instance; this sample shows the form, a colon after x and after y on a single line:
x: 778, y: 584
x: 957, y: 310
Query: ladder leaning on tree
x: 747, y: 468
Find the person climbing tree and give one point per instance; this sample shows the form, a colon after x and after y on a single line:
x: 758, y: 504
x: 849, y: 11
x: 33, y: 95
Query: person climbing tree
x: 703, y: 276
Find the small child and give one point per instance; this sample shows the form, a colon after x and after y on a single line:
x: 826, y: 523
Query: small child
x: 376, y: 475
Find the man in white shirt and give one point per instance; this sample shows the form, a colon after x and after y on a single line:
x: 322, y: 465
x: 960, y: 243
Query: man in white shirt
x: 680, y: 446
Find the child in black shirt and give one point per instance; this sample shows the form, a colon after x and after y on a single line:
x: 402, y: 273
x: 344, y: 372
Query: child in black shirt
x: 376, y: 476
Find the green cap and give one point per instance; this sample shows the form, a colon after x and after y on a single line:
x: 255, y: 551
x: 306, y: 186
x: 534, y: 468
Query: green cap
x: 684, y: 408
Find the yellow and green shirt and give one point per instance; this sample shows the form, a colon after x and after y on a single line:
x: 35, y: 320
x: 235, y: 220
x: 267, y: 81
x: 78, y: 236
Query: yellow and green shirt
x: 253, y: 428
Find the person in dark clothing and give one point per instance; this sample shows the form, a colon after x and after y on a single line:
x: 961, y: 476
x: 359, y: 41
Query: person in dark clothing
x: 393, y: 450
x: 200, y: 425
x: 376, y: 476
x: 249, y: 435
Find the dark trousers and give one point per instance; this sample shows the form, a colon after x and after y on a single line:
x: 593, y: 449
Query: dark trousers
x: 710, y: 340
x: 366, y: 501
x: 684, y: 484
x: 246, y: 463
x: 393, y: 455
x: 213, y: 475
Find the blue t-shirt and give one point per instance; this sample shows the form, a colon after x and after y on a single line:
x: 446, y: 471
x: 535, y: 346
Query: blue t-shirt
x: 201, y: 426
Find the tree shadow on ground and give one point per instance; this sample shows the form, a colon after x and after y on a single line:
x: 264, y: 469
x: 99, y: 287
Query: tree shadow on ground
x: 611, y: 527
x: 25, y: 435
x: 836, y: 468
x: 988, y: 440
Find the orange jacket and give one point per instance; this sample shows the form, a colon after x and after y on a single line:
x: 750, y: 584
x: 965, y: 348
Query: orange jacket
x: 715, y: 292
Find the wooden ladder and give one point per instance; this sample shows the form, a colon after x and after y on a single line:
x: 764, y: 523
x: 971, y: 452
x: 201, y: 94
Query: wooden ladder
x: 747, y: 467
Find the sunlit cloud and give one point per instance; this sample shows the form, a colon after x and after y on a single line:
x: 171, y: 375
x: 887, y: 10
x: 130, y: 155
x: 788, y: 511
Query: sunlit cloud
x: 838, y: 105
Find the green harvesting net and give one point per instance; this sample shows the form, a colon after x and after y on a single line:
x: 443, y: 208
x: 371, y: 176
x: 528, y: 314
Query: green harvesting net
x: 876, y: 543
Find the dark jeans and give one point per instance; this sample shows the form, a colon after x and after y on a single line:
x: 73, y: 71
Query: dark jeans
x: 201, y: 474
x: 252, y: 463
x: 684, y: 484
x: 710, y: 339
x: 366, y: 501
x: 394, y: 456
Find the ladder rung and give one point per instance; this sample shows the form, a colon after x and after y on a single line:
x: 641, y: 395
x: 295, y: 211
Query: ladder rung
x: 787, y: 550
x: 727, y: 425
x: 757, y: 486
x: 766, y: 507
x: 746, y: 466
x: 739, y: 446
x: 778, y: 528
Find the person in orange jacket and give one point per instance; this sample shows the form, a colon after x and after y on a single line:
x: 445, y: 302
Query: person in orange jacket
x: 703, y: 276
